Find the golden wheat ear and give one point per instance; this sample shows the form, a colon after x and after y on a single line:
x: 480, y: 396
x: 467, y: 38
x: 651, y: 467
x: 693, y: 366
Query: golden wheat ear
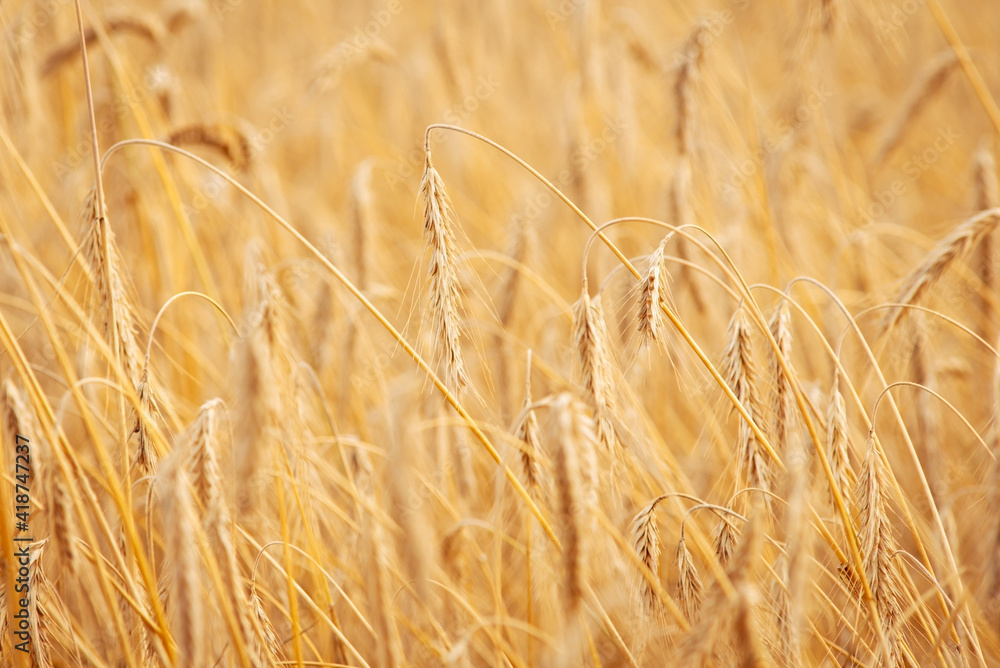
x: 442, y: 274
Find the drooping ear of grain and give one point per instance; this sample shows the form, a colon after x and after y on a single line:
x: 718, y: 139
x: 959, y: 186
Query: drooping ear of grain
x: 653, y: 293
x: 726, y: 536
x: 178, y: 518
x: 740, y: 373
x: 987, y: 196
x: 266, y: 648
x: 798, y: 550
x: 142, y: 24
x: 949, y: 250
x: 690, y: 590
x: 227, y: 140
x: 528, y: 433
x: 878, y: 546
x: 838, y: 442
x: 783, y: 411
x: 259, y: 370
x: 688, y: 64
x: 645, y: 537
x: 596, y: 371
x: 145, y: 452
x: 569, y: 436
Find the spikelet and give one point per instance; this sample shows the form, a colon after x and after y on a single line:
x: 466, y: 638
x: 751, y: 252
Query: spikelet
x: 379, y: 593
x: 987, y: 197
x: 751, y: 652
x: 690, y: 590
x: 528, y: 433
x: 917, y: 97
x: 363, y: 223
x: 439, y: 232
x: 145, y: 452
x: 112, y: 294
x: 203, y: 465
x: 798, y: 548
x: 739, y: 371
x: 727, y: 534
x: 572, y: 436
x: 141, y: 24
x: 949, y: 250
x: 991, y: 579
x: 782, y: 396
x: 265, y: 646
x: 646, y: 543
x: 330, y: 68
x: 923, y: 363
x: 877, y: 547
x: 226, y: 139
x: 41, y: 643
x: 19, y: 420
x: 258, y: 369
x: 596, y: 372
x: 652, y: 294
x: 186, y: 598
x: 838, y: 439
x: 688, y: 62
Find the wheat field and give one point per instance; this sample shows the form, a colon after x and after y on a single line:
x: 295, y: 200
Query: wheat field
x: 538, y: 333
